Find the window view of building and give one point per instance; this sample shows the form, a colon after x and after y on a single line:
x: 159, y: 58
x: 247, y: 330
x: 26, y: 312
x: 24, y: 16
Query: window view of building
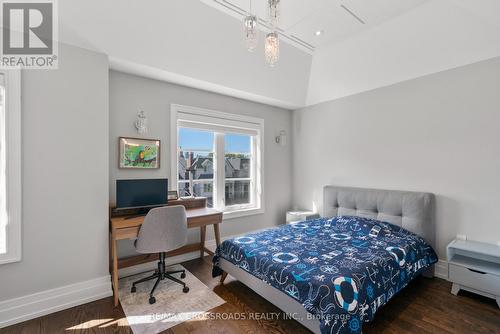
x: 196, y: 163
x: 196, y: 156
x: 238, y: 176
x: 199, y: 167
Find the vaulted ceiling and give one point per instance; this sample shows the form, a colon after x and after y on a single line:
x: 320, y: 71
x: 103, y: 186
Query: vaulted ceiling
x: 314, y: 23
x: 363, y: 44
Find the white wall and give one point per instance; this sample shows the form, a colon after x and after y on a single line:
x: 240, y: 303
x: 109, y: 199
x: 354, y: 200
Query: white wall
x: 439, y: 133
x: 436, y: 36
x: 129, y: 94
x: 64, y: 176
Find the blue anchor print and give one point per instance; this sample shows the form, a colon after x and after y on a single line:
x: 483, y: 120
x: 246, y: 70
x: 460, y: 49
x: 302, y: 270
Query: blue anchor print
x: 299, y: 278
x: 251, y: 253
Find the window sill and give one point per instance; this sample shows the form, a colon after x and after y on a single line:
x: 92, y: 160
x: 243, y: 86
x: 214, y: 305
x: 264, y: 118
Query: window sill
x: 9, y: 258
x: 242, y: 213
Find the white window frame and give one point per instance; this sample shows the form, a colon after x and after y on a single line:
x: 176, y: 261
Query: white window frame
x: 12, y: 137
x: 213, y: 120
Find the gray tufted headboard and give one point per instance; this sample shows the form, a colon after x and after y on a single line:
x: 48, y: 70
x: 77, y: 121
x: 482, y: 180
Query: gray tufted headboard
x: 412, y: 210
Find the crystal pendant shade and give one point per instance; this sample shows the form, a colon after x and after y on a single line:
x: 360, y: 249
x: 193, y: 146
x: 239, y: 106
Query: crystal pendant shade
x: 274, y: 12
x: 251, y: 33
x: 272, y: 48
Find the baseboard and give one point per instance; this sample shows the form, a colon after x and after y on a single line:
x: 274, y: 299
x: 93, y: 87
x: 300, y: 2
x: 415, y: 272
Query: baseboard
x: 441, y: 269
x: 32, y: 306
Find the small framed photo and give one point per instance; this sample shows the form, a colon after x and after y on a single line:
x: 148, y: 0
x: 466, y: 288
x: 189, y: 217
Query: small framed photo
x: 172, y: 195
x: 138, y: 153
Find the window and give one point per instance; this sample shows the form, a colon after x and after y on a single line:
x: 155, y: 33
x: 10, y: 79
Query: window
x: 196, y: 163
x: 10, y: 167
x: 237, y: 169
x: 218, y: 156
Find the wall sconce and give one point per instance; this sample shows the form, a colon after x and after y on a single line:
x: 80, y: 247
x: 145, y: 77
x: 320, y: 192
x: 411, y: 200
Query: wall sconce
x: 281, y: 138
x: 141, y: 124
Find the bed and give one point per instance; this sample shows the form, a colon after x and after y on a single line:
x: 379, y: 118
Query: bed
x: 333, y: 273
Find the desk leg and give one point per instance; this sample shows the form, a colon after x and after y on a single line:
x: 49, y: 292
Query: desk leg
x: 217, y: 234
x: 223, y: 277
x: 115, y: 269
x: 110, y: 254
x: 203, y: 232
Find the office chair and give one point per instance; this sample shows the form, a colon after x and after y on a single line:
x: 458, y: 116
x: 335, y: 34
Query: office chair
x: 164, y: 229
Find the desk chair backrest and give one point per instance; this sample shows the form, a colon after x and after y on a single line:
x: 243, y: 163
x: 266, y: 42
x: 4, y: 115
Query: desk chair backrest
x: 164, y: 229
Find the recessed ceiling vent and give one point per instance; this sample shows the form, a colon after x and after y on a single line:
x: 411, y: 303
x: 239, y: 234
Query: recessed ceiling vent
x: 353, y: 14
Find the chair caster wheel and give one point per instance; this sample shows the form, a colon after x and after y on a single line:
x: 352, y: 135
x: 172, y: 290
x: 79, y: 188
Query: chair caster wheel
x: 183, y: 275
x: 185, y: 290
x: 152, y: 300
x: 133, y: 289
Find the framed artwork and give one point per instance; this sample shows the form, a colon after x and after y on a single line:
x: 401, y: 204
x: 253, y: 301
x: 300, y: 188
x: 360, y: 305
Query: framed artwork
x: 139, y: 153
x: 172, y: 195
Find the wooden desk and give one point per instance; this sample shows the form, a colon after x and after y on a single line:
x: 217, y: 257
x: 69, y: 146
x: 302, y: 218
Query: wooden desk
x: 127, y: 228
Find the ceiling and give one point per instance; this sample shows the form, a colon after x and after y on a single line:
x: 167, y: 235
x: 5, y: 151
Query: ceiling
x: 335, y: 19
x: 436, y: 36
x: 184, y: 42
x: 198, y: 43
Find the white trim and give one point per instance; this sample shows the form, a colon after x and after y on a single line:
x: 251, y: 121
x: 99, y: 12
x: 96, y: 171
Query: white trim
x: 13, y: 165
x: 222, y: 120
x: 441, y: 269
x: 219, y: 169
x: 178, y: 108
x: 38, y: 304
x: 174, y: 173
x: 213, y: 124
x: 196, y: 181
x: 242, y: 213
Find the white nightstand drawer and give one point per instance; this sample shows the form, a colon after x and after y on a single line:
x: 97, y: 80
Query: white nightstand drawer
x: 474, y: 279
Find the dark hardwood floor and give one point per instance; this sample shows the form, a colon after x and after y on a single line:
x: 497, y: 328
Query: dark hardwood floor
x: 425, y: 306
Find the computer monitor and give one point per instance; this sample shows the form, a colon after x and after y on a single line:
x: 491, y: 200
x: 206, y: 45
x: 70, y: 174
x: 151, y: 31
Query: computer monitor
x: 141, y: 193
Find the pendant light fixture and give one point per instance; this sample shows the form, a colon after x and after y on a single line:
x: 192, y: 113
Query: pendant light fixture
x: 250, y: 30
x: 272, y: 45
x: 272, y: 48
x: 274, y: 12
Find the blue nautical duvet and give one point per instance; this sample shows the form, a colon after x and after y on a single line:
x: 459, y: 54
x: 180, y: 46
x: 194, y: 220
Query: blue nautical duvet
x: 340, y: 269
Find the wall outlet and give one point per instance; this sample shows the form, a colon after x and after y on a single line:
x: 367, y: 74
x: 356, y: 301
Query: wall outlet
x: 461, y: 237
x: 498, y: 243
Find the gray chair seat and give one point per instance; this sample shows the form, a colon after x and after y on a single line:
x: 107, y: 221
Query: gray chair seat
x: 164, y: 229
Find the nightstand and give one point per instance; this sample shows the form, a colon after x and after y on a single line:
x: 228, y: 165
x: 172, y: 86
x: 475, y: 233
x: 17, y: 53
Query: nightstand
x: 300, y: 215
x: 475, y: 267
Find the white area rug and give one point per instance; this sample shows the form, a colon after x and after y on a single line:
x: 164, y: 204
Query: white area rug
x: 172, y: 305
